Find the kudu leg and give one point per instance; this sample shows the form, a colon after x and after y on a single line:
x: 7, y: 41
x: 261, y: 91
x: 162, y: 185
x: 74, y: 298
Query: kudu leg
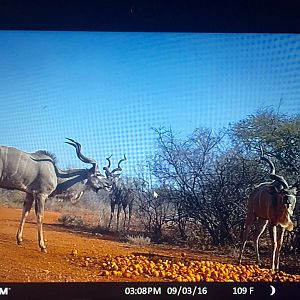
x: 112, y: 211
x: 125, y: 217
x: 129, y: 215
x: 279, y: 245
x: 39, y: 211
x: 260, y: 228
x: 273, y: 232
x: 26, y: 209
x: 118, y: 216
x: 248, y: 223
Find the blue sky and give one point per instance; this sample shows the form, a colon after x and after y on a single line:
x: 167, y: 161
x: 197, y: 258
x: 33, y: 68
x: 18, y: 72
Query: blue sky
x: 107, y: 90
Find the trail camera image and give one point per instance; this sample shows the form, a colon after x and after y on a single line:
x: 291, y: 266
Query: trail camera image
x: 149, y: 157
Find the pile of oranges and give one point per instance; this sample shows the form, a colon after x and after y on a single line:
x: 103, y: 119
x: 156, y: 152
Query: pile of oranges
x: 185, y: 270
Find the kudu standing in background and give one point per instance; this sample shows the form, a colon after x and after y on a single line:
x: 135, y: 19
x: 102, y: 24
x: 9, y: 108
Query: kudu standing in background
x: 271, y: 202
x: 37, y: 175
x: 121, y: 195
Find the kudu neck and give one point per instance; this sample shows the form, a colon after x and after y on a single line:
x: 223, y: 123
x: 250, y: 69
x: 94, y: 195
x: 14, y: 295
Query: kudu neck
x: 66, y: 184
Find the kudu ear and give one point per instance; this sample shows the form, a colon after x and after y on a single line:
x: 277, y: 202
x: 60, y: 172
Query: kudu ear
x: 272, y: 190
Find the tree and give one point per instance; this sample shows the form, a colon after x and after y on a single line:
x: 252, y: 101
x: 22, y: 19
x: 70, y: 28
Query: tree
x: 153, y: 205
x: 190, y: 167
x: 279, y: 135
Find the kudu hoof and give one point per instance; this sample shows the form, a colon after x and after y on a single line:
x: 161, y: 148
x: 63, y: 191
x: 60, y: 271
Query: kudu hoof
x: 44, y: 250
x: 19, y: 242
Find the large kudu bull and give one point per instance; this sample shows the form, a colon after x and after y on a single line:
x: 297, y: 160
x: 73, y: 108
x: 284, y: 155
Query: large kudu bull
x: 273, y: 203
x: 37, y: 175
x: 121, y: 195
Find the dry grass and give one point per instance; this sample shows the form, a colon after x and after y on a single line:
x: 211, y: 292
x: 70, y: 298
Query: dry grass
x: 13, y: 199
x: 71, y: 221
x: 138, y: 240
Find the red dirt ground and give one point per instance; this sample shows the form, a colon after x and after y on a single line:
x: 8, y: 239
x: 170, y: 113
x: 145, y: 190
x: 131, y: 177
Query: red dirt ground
x: 26, y: 263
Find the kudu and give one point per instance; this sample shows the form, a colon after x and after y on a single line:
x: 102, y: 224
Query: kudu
x: 37, y: 175
x: 121, y: 195
x: 273, y: 203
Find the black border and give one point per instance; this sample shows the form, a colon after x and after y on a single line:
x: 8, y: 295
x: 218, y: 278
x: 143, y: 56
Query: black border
x: 148, y: 290
x: 243, y: 16
x: 264, y: 16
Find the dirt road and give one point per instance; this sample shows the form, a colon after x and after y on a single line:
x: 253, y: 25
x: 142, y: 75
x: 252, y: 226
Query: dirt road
x: 26, y: 263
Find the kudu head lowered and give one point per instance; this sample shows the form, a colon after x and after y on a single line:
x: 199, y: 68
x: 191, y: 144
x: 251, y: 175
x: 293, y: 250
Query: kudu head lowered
x: 284, y: 195
x: 95, y: 180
